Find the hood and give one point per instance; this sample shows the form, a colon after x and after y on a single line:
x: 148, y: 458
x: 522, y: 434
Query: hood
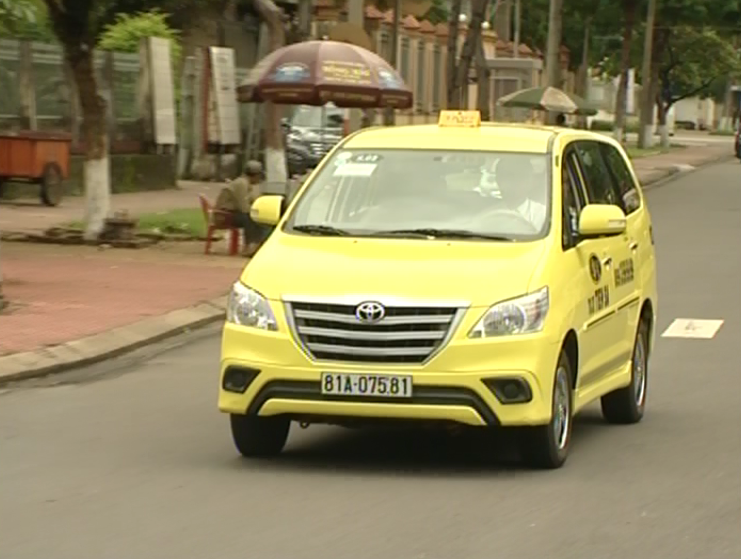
x: 476, y: 271
x: 315, y: 134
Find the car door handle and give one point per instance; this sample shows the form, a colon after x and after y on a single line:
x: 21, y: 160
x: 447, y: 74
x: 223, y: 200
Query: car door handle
x: 633, y: 246
x: 607, y: 262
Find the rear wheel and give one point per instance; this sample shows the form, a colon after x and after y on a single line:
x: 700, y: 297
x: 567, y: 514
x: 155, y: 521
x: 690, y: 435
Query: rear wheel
x: 627, y: 405
x: 547, y: 446
x: 256, y: 436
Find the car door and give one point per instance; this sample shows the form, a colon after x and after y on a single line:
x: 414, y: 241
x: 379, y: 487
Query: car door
x: 631, y: 273
x: 605, y: 329
x: 590, y: 287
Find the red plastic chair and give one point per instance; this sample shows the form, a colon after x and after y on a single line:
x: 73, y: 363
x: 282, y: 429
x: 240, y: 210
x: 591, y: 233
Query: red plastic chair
x: 218, y: 220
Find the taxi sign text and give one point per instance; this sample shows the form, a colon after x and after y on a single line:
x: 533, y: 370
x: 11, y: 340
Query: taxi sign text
x: 460, y: 119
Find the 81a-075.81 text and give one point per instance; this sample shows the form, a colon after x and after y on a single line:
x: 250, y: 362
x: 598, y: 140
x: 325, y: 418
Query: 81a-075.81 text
x: 366, y: 385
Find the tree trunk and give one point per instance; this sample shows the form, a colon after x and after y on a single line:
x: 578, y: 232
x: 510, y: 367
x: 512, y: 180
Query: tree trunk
x: 276, y: 169
x: 2, y: 299
x: 97, y: 167
x: 661, y: 113
x: 553, y: 50
x: 389, y: 114
x: 483, y: 91
x: 453, y: 95
x: 621, y: 101
x: 470, y: 46
x: 583, y: 81
x: 645, y: 133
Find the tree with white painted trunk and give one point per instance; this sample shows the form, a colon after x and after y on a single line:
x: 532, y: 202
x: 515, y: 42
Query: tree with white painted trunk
x: 77, y: 24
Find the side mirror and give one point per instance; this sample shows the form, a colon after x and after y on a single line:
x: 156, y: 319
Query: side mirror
x: 267, y: 209
x: 601, y: 220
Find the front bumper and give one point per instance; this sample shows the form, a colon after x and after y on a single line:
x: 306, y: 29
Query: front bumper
x: 504, y: 381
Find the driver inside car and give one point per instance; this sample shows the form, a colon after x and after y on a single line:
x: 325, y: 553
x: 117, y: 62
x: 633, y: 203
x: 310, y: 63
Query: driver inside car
x: 522, y: 186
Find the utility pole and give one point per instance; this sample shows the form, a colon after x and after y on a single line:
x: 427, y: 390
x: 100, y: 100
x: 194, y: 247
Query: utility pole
x: 646, y: 130
x: 389, y: 116
x: 305, y: 12
x: 553, y: 48
x: 355, y: 16
x: 518, y: 19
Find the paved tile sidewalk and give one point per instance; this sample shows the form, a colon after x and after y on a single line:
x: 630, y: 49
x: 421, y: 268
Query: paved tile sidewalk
x: 59, y: 294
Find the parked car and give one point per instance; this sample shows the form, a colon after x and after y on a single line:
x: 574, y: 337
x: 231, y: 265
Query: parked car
x: 315, y: 129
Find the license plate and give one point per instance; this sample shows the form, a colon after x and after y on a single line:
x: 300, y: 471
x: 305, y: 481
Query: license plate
x: 350, y: 384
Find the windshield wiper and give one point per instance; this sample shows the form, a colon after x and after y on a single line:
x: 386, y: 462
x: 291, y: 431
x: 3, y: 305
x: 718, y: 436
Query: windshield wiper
x: 325, y: 230
x: 443, y: 234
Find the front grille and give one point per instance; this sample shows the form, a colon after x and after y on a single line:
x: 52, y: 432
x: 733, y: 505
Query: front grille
x: 404, y: 335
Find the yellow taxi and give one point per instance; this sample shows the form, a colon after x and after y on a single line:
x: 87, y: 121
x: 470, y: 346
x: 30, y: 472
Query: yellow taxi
x: 479, y: 274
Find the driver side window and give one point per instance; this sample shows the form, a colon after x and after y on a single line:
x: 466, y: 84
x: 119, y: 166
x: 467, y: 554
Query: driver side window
x: 572, y: 200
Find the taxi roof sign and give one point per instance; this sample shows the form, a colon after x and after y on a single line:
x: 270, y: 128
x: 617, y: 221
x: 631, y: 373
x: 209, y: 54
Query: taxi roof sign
x: 460, y: 119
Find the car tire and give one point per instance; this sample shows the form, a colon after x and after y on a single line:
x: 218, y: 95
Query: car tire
x: 627, y: 405
x: 547, y: 446
x: 259, y: 437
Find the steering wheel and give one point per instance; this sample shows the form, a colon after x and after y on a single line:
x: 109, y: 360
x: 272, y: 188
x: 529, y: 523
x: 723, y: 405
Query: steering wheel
x: 508, y: 213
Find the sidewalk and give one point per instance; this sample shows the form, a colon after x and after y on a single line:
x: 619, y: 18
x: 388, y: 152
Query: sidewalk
x: 28, y: 216
x: 72, y: 305
x: 655, y: 168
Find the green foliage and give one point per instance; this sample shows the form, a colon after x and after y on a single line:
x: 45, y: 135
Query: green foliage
x: 438, y: 12
x: 24, y: 19
x: 602, y: 17
x: 692, y: 61
x: 13, y: 11
x: 126, y: 33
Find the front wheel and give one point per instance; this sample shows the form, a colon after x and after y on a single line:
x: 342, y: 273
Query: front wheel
x: 256, y: 436
x: 547, y: 446
x: 627, y: 405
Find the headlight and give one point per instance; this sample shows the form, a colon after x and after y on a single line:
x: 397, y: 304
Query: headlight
x: 523, y: 315
x: 247, y: 307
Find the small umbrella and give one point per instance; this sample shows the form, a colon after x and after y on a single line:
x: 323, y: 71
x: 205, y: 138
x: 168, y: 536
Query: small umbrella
x: 319, y: 72
x: 548, y: 99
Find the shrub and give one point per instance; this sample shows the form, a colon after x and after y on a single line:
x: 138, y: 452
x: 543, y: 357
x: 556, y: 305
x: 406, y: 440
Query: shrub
x: 601, y: 125
x: 126, y: 33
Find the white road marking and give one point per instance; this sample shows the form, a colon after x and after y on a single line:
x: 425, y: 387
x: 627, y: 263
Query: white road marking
x: 692, y: 328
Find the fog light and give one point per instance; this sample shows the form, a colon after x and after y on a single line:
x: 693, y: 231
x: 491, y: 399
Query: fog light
x: 238, y: 379
x: 510, y: 390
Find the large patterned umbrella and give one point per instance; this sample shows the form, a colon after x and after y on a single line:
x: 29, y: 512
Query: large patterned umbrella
x: 548, y: 99
x: 319, y: 72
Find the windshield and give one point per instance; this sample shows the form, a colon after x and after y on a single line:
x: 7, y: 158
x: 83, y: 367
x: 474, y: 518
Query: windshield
x: 311, y: 117
x: 427, y: 193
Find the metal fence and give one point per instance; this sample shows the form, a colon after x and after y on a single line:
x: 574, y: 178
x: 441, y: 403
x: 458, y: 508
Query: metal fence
x: 53, y: 102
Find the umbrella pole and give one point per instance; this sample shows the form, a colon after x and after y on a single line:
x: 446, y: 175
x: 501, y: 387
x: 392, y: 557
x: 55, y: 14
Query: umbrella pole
x: 324, y: 121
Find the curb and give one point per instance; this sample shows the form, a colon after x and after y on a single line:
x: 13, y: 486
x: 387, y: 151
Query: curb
x: 113, y: 343
x: 673, y: 172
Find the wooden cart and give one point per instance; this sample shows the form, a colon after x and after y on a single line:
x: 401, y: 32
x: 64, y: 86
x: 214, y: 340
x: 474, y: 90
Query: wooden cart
x: 36, y: 157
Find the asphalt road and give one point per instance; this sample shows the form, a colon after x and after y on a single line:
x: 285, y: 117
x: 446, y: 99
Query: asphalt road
x: 133, y: 460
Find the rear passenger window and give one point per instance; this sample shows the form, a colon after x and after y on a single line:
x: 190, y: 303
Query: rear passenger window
x: 599, y: 184
x: 623, y: 179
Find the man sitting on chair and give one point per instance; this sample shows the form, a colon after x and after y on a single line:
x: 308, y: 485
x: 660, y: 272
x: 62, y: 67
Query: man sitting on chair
x: 246, y: 189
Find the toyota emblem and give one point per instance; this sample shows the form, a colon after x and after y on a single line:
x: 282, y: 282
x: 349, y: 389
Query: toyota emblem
x: 370, y: 312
